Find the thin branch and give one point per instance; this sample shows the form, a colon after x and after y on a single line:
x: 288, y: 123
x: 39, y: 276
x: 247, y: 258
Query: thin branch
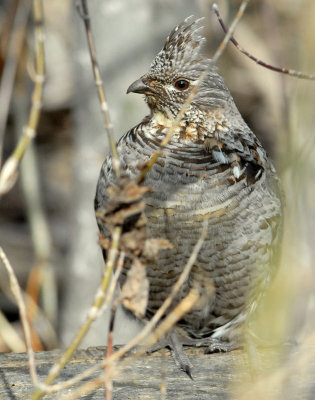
x: 9, y: 172
x: 42, y: 271
x: 112, y: 294
x: 114, y: 281
x: 84, y: 13
x: 291, y: 72
x: 229, y: 32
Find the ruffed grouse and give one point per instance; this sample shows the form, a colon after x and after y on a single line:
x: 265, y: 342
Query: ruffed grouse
x: 214, y: 168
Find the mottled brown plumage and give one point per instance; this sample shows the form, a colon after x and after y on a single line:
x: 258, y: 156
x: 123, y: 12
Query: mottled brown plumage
x: 213, y: 167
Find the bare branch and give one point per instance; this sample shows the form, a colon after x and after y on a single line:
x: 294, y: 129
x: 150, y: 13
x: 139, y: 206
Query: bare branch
x: 229, y: 32
x: 9, y: 172
x: 291, y: 72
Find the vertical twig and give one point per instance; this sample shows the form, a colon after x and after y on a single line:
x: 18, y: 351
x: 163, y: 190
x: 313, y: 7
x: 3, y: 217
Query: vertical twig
x: 42, y: 271
x: 9, y: 172
x: 8, y: 74
x: 84, y: 13
x: 110, y: 340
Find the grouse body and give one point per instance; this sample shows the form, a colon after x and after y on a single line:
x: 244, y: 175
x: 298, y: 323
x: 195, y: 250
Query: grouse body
x: 213, y: 168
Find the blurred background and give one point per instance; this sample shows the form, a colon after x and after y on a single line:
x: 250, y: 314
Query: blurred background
x: 47, y: 223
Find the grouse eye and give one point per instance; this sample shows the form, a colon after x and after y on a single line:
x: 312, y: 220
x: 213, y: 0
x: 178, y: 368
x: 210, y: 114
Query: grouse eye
x: 181, y: 84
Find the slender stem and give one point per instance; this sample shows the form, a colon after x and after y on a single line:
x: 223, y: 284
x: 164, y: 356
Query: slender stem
x: 99, y: 85
x: 15, y: 46
x: 9, y: 172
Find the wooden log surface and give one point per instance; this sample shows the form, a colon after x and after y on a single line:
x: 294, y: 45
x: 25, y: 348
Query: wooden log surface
x: 214, y: 376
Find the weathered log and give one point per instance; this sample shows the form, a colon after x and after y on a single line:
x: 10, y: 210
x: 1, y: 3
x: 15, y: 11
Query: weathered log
x: 216, y: 376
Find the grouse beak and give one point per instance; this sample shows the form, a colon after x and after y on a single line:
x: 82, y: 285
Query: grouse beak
x: 140, y: 87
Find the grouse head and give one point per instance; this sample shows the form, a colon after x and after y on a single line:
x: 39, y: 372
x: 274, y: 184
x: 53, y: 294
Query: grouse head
x: 176, y: 70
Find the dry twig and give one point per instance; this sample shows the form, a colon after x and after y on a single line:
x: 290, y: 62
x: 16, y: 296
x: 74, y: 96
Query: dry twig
x: 112, y: 294
x: 228, y: 32
x: 11, y: 62
x: 229, y: 35
x: 84, y: 13
x: 9, y: 172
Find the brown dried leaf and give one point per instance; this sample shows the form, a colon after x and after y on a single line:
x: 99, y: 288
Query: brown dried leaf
x: 104, y: 242
x: 127, y: 192
x: 119, y: 217
x: 153, y: 246
x: 133, y: 241
x: 135, y: 291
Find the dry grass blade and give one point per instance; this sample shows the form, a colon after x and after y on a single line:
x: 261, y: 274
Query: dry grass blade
x: 9, y: 172
x: 291, y: 72
x: 84, y: 13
